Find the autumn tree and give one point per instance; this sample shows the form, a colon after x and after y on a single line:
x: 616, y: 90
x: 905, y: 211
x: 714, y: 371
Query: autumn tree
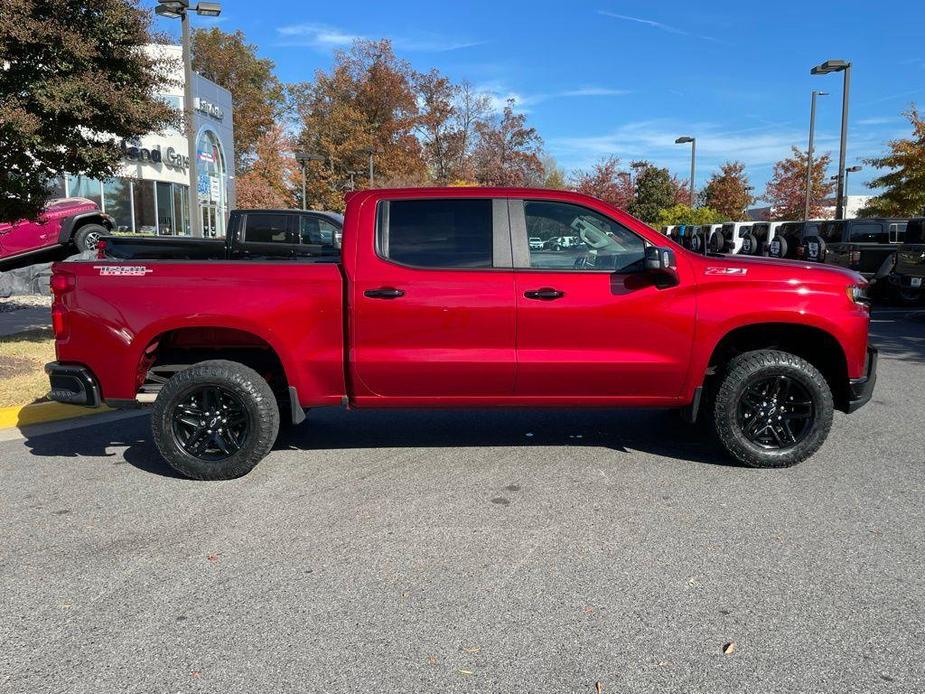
x: 786, y: 191
x: 366, y: 102
x: 656, y: 189
x: 256, y: 93
x: 437, y: 126
x: 272, y: 181
x: 607, y: 182
x: 508, y: 151
x: 74, y: 83
x: 904, y: 183
x: 554, y: 175
x: 728, y: 191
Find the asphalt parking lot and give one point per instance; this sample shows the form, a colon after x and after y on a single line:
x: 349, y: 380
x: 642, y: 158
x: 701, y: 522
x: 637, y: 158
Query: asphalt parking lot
x: 515, y: 551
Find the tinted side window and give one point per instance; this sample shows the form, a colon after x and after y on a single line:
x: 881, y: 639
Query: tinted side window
x: 316, y: 230
x: 437, y: 233
x: 868, y: 233
x: 915, y: 231
x: 572, y: 237
x: 832, y: 231
x: 268, y: 228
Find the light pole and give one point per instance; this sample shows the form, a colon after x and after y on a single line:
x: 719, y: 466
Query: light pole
x: 824, y: 69
x: 693, y: 140
x: 303, y: 158
x: 809, y: 154
x: 179, y: 9
x: 849, y: 170
x: 371, y: 151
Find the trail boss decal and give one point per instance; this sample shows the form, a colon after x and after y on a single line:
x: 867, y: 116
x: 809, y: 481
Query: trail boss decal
x: 122, y: 270
x: 726, y: 271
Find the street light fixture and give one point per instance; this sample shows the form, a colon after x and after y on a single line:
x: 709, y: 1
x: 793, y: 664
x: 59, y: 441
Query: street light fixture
x: 824, y: 69
x: 809, y: 154
x: 371, y: 151
x: 180, y: 9
x: 693, y: 140
x: 303, y: 158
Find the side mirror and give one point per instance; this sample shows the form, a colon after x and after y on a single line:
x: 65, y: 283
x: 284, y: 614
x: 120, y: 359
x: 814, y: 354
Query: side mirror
x: 662, y: 265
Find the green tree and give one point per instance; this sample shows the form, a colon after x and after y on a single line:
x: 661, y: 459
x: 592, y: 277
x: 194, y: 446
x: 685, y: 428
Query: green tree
x: 656, y: 189
x: 728, y: 191
x: 905, y: 182
x: 257, y: 95
x: 554, y: 174
x: 684, y: 214
x: 73, y: 84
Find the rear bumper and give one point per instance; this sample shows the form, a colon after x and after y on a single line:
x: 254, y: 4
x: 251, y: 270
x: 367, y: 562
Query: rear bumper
x: 72, y: 384
x: 860, y: 390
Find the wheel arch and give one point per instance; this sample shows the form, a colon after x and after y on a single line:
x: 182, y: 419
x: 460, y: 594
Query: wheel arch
x: 814, y: 344
x: 70, y: 226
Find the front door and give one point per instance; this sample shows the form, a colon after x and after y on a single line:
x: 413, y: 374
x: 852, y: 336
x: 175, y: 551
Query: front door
x: 590, y: 323
x: 433, y: 304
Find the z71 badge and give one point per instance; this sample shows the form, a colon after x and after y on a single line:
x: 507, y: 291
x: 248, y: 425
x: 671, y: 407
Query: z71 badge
x: 122, y: 270
x: 726, y: 271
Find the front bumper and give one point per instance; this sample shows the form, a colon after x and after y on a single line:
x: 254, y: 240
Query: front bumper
x: 72, y: 384
x: 860, y: 390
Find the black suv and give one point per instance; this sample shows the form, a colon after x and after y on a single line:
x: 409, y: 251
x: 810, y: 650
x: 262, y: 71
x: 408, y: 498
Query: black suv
x: 908, y: 276
x: 865, y: 245
x: 788, y: 241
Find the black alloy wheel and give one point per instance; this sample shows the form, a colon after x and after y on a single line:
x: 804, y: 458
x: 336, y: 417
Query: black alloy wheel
x: 776, y: 412
x: 210, y: 423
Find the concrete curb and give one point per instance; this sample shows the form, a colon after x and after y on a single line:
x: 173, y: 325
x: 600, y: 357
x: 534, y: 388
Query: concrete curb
x: 41, y: 412
x: 108, y: 416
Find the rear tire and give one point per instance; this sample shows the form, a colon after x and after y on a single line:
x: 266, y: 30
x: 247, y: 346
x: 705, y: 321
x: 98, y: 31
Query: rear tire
x: 88, y: 236
x: 772, y: 409
x: 215, y: 420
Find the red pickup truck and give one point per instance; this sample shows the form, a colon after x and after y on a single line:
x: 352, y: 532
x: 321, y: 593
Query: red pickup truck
x: 438, y: 299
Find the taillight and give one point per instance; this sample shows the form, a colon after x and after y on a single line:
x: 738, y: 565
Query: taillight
x: 59, y: 320
x: 101, y: 250
x: 63, y: 282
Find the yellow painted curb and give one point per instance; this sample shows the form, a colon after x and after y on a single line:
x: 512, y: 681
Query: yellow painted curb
x: 40, y: 412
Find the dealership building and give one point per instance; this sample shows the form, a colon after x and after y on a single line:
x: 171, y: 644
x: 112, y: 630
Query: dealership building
x: 150, y: 193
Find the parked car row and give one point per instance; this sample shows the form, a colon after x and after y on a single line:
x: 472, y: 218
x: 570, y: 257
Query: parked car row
x: 866, y: 245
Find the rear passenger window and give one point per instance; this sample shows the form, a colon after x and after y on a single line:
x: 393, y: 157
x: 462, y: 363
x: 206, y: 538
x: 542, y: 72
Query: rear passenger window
x: 437, y: 233
x: 868, y: 233
x: 269, y: 228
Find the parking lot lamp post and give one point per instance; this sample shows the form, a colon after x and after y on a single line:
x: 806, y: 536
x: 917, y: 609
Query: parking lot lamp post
x: 809, y: 153
x: 824, y: 69
x: 179, y: 9
x: 693, y: 140
x: 303, y: 158
x: 850, y: 169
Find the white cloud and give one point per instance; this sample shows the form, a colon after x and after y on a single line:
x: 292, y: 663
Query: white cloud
x: 878, y: 120
x: 656, y: 25
x: 326, y: 37
x: 499, y: 94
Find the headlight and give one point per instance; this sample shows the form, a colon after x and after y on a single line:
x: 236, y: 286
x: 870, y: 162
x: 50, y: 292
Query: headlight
x: 857, y: 294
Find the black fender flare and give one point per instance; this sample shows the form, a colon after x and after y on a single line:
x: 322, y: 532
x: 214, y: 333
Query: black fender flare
x: 70, y: 224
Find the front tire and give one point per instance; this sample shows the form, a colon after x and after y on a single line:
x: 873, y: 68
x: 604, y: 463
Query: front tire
x: 772, y: 409
x: 215, y: 420
x: 88, y: 236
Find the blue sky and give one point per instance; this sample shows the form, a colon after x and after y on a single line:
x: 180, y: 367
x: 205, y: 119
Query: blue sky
x: 626, y: 77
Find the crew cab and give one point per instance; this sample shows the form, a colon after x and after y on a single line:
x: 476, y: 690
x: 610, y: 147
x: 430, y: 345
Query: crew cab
x: 251, y: 234
x: 76, y: 222
x: 439, y: 301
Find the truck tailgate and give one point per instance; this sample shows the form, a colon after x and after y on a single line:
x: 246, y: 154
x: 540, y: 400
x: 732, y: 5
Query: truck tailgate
x: 110, y: 312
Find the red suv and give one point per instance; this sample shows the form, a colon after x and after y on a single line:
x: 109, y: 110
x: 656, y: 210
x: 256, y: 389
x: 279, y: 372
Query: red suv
x: 65, y: 222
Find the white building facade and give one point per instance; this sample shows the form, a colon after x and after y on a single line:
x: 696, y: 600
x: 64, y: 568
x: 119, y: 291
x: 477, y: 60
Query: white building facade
x: 150, y: 193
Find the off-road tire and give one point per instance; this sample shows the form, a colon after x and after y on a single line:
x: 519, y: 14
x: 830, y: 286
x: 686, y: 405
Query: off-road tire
x: 749, y: 368
x: 258, y: 402
x: 83, y: 237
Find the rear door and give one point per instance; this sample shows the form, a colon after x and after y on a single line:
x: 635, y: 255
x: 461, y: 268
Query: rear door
x: 433, y: 302
x: 590, y: 323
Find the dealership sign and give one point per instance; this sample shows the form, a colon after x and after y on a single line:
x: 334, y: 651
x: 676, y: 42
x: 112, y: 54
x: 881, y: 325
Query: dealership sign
x: 208, y: 107
x: 169, y: 157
